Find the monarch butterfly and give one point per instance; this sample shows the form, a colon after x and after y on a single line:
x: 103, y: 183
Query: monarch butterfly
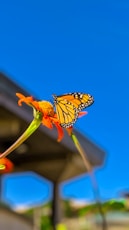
x: 69, y: 105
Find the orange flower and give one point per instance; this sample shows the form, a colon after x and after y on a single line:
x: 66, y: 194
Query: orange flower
x: 6, y: 165
x: 46, y: 109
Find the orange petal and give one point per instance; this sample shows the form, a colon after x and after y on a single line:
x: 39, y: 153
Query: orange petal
x: 47, y: 122
x: 69, y: 130
x: 60, y: 131
x: 35, y: 104
x: 82, y: 113
x: 27, y: 100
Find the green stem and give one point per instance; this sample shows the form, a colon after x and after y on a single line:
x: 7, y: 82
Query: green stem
x: 93, y: 179
x: 81, y: 151
x: 31, y: 129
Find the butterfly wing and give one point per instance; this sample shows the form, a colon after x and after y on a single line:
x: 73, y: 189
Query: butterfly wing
x: 69, y: 105
x: 79, y: 100
x: 66, y: 112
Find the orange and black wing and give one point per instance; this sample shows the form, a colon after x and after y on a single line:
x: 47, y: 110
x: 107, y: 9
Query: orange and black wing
x: 69, y: 105
x: 79, y: 100
x: 66, y: 112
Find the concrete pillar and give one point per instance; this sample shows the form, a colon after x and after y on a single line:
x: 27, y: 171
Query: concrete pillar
x: 56, y: 206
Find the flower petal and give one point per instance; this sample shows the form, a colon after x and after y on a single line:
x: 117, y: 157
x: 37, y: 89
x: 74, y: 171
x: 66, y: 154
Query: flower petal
x: 69, y: 130
x: 27, y: 100
x: 46, y: 121
x: 82, y: 113
x: 60, y: 131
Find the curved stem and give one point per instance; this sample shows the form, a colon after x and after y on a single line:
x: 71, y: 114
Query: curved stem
x: 93, y: 179
x: 31, y: 128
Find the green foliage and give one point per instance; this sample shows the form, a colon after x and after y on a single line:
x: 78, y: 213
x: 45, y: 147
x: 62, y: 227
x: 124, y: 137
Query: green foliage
x: 108, y: 206
x: 67, y: 209
x: 46, y: 223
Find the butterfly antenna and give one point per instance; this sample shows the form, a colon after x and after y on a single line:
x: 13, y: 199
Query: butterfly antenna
x: 54, y: 96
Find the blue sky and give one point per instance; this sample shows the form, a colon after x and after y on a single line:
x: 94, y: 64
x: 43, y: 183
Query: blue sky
x: 74, y: 46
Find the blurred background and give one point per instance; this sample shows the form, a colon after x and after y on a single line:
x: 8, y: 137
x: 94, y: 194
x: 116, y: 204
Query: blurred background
x: 56, y: 47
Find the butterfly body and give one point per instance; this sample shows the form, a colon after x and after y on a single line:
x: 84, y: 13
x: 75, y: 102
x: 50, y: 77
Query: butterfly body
x: 69, y: 105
